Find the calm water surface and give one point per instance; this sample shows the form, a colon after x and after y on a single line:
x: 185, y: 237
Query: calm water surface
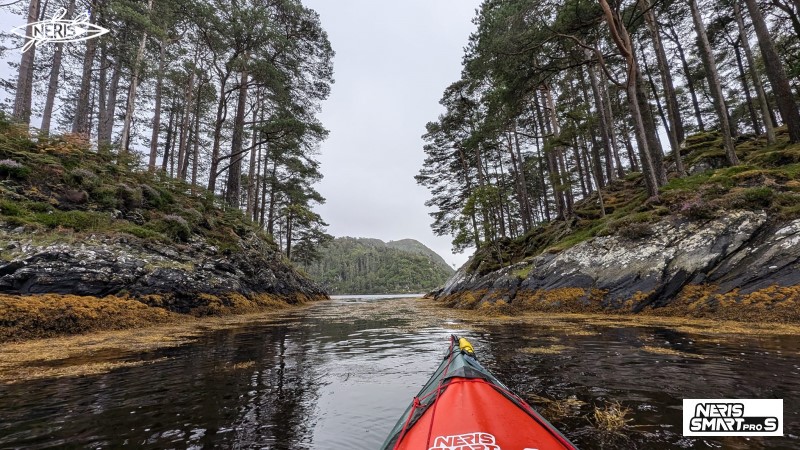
x: 337, y: 375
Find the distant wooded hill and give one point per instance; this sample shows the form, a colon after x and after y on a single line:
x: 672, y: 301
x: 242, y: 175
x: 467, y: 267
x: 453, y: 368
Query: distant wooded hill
x: 371, y: 266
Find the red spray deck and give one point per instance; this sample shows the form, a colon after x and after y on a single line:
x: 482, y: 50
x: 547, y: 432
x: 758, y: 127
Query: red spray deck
x: 463, y: 407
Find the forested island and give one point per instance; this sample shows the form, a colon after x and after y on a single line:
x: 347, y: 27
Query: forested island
x: 627, y: 156
x: 370, y: 266
x: 163, y: 168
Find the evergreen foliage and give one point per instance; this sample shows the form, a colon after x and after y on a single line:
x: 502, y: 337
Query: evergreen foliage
x: 559, y: 99
x: 370, y: 266
x: 207, y: 93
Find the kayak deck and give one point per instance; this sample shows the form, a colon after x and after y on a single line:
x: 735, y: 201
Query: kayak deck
x: 464, y: 407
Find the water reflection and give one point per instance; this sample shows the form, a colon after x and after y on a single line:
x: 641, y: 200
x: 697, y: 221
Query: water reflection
x: 337, y: 376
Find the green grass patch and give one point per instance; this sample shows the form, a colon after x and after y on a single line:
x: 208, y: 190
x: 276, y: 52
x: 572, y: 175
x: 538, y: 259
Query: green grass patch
x: 76, y: 220
x: 523, y: 272
x: 11, y: 208
x: 141, y: 232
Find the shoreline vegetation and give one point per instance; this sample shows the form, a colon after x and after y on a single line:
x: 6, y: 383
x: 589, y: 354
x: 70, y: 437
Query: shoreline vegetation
x: 102, y: 350
x: 99, y: 352
x: 26, y: 317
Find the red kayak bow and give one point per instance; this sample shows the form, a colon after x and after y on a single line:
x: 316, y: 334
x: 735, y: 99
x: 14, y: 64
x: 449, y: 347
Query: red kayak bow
x: 464, y: 407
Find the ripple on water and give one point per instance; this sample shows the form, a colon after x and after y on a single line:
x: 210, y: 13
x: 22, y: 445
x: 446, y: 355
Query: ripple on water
x: 340, y: 373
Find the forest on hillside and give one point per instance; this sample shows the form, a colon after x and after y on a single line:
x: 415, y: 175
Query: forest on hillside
x: 222, y: 96
x: 559, y: 99
x: 370, y: 266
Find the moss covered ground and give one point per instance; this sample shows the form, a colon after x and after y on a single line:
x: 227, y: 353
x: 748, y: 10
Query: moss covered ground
x: 57, y: 185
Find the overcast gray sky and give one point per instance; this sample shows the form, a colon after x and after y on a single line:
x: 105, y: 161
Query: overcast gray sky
x: 393, y: 60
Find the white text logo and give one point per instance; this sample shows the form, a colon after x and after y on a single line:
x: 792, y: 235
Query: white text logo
x: 469, y: 441
x: 59, y: 29
x: 720, y: 417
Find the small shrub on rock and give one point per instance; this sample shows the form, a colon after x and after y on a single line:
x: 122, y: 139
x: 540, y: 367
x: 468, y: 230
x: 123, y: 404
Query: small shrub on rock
x: 10, y: 208
x: 151, y: 196
x: 82, y: 178
x: 76, y: 196
x: 192, y: 215
x: 105, y: 196
x: 129, y: 197
x: 12, y: 169
x: 174, y: 226
x: 758, y: 196
x: 635, y: 231
x: 77, y: 220
x: 698, y: 209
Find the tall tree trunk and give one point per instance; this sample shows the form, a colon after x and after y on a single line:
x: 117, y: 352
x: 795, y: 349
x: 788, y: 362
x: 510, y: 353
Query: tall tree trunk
x: 566, y: 182
x: 257, y: 182
x: 579, y: 166
x: 264, y: 173
x: 775, y: 73
x: 272, y: 194
x: 24, y: 90
x: 55, y: 71
x: 623, y: 41
x: 157, y: 107
x: 233, y: 191
x: 187, y: 113
x: 542, y: 181
x: 222, y: 114
x: 599, y: 191
x: 196, y: 142
x: 289, y: 220
x: 714, y: 84
x: 550, y: 151
x: 106, y: 125
x: 653, y: 139
x: 168, y: 142
x: 766, y: 114
x: 675, y: 130
x: 605, y: 128
x: 251, y: 174
x: 526, y: 198
x: 102, y: 91
x: 746, y: 88
x: 126, y: 124
x: 687, y: 73
x: 80, y: 123
x: 610, y: 122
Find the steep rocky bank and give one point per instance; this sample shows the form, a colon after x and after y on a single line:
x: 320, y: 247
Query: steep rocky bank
x: 737, y: 266
x: 193, y: 277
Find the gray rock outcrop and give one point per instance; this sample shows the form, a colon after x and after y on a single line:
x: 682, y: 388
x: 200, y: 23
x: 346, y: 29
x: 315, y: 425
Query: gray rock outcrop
x: 103, y: 265
x: 740, y: 251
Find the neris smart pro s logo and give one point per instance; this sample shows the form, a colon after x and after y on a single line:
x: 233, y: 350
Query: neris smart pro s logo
x: 720, y: 417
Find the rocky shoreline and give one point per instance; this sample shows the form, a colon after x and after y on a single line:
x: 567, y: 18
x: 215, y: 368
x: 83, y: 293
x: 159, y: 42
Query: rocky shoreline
x: 78, y: 282
x: 739, y: 265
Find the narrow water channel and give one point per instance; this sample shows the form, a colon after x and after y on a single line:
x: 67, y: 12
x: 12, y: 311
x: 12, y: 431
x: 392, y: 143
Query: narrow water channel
x: 337, y: 375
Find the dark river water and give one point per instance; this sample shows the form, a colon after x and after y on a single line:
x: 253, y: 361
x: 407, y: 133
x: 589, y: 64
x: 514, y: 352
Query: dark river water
x: 338, y: 375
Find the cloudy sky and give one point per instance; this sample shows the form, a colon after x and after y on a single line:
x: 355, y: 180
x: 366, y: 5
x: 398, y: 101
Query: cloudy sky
x: 393, y: 60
